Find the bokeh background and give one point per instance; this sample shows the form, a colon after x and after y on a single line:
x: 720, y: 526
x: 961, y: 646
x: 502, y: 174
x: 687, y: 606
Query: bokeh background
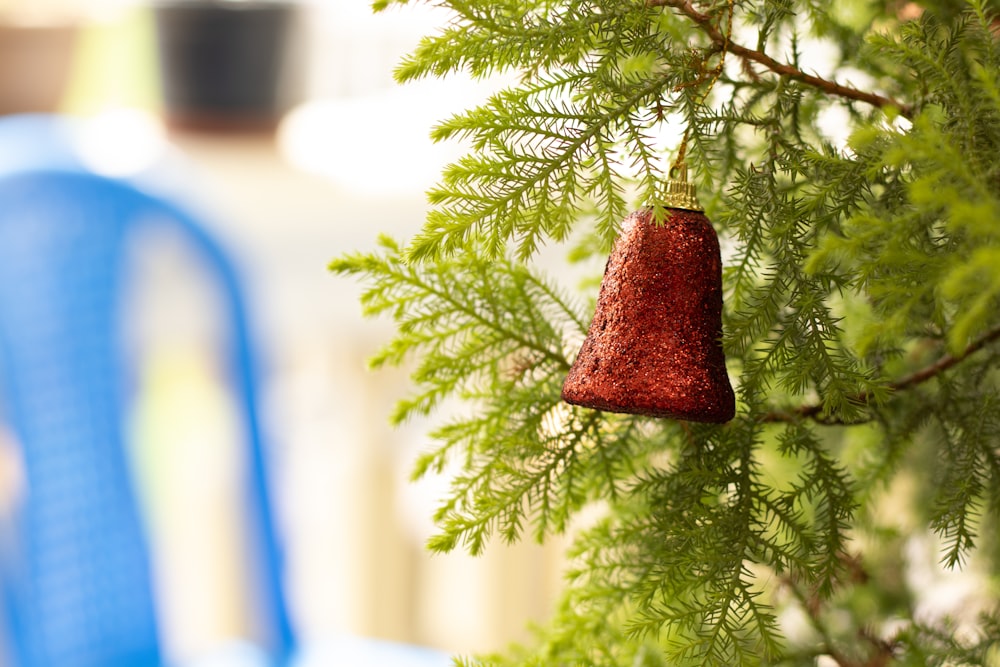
x: 346, y: 157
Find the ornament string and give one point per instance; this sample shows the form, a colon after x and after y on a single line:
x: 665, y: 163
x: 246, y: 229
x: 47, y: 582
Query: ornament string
x: 679, y: 166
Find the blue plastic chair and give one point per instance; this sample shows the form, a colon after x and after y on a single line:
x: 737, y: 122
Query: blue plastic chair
x: 76, y: 585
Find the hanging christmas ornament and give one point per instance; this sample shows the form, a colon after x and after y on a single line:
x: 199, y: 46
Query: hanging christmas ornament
x: 654, y: 346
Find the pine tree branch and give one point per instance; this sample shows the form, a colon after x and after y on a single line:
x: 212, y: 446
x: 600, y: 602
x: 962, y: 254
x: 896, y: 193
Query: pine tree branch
x: 946, y: 362
x: 705, y: 23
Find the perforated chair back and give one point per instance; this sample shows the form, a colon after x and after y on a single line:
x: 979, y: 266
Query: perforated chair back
x: 76, y: 581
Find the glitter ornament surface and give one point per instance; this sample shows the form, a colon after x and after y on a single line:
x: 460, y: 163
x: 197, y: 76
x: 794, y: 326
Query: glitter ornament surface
x: 654, y: 346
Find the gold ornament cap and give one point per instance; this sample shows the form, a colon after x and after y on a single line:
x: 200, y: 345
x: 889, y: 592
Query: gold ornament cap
x: 679, y: 192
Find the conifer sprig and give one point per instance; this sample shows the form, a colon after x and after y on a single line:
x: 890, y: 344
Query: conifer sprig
x: 535, y: 168
x: 492, y: 333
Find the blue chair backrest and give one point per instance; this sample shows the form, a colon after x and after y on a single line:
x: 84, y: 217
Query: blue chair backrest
x: 76, y: 583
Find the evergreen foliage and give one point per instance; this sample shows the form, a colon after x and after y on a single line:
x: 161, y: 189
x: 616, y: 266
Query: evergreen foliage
x: 861, y: 324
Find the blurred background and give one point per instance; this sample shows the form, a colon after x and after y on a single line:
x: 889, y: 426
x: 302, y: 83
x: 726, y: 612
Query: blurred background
x: 309, y: 153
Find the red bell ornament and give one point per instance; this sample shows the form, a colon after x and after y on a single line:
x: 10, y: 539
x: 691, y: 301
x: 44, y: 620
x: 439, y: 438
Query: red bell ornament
x: 654, y: 346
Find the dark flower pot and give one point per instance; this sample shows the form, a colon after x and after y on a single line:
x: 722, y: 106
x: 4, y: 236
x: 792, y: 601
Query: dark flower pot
x: 225, y: 64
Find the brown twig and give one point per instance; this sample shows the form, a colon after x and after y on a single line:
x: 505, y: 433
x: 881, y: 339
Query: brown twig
x: 946, y: 362
x: 903, y: 383
x: 704, y: 21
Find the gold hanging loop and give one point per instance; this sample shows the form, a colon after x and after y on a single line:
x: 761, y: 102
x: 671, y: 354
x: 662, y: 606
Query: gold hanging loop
x: 680, y: 193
